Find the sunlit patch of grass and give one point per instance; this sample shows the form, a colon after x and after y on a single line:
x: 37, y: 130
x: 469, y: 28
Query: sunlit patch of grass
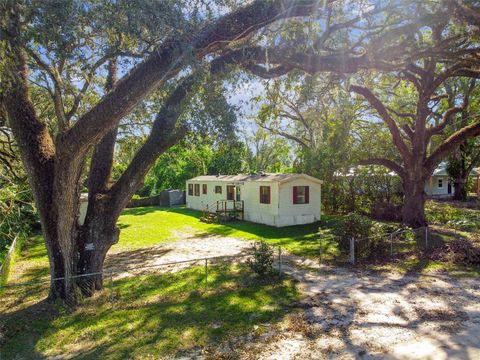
x: 446, y: 214
x: 152, y: 315
x: 32, y: 262
x: 149, y: 226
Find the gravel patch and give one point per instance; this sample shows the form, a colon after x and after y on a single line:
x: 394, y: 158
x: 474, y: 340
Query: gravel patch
x: 152, y: 259
x: 363, y: 315
x: 345, y: 313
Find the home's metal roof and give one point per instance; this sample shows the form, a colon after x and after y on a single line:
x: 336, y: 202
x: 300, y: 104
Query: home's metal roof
x: 441, y: 170
x: 270, y: 177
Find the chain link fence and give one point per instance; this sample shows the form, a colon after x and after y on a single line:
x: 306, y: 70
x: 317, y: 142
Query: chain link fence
x: 131, y: 283
x: 394, y: 246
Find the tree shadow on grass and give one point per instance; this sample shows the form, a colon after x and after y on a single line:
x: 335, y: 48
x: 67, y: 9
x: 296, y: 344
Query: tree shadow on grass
x: 21, y: 329
x: 299, y: 239
x: 144, y: 210
x: 153, y: 315
x: 133, y: 259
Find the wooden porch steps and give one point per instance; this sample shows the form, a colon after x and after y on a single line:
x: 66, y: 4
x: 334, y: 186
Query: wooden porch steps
x: 223, y: 211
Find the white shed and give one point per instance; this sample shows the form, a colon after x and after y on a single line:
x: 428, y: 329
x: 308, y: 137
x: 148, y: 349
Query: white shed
x: 272, y: 199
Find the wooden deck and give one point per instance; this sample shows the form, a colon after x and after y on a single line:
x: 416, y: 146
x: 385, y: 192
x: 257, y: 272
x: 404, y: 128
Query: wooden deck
x: 223, y: 211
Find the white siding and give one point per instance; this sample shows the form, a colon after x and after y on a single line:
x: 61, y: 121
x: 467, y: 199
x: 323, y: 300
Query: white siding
x: 82, y: 210
x: 280, y: 212
x: 256, y: 212
x: 293, y: 214
x: 200, y: 202
x: 432, y: 188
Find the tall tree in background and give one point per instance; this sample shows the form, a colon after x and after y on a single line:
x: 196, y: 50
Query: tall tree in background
x: 267, y: 152
x: 318, y: 117
x: 420, y: 58
x: 466, y: 157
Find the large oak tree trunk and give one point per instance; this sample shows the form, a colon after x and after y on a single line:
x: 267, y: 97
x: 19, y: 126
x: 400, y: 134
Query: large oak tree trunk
x: 413, y: 211
x: 460, y: 188
x: 98, y: 234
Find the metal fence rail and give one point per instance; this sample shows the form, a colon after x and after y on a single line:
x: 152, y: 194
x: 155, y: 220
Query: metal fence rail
x: 111, y: 276
x: 391, y: 245
x: 5, y: 266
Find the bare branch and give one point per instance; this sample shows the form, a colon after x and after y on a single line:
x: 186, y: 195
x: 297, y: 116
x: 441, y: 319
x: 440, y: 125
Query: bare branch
x: 383, y: 112
x: 286, y: 135
x: 446, y: 119
x: 392, y: 165
x: 451, y: 143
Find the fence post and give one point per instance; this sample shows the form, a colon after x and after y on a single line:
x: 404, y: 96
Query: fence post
x: 280, y: 261
x: 426, y: 237
x: 110, y: 284
x: 352, y: 251
x: 206, y: 274
x: 391, y: 244
x: 321, y: 253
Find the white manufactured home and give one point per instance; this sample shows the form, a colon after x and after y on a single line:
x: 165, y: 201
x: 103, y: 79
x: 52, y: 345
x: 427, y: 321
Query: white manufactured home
x: 272, y: 199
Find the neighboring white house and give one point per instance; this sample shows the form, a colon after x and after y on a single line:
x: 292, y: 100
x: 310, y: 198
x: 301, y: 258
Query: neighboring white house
x: 440, y: 184
x: 83, y: 208
x: 272, y: 199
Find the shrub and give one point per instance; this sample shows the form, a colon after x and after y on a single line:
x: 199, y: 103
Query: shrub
x: 262, y: 261
x: 356, y: 226
x: 454, y: 217
x: 386, y: 211
x: 371, y: 240
x: 440, y: 213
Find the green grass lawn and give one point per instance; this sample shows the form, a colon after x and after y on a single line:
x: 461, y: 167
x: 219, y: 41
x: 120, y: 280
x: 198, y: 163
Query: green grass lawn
x: 153, y: 225
x: 149, y: 226
x: 150, y: 316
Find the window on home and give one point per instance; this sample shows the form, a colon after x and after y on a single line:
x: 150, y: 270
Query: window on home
x: 440, y: 183
x: 190, y: 189
x: 218, y: 189
x: 204, y: 189
x: 197, y: 189
x: 301, y: 194
x: 230, y: 192
x: 264, y: 194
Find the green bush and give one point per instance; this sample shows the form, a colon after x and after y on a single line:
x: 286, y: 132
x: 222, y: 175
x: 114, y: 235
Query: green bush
x: 262, y: 261
x: 445, y: 214
x: 17, y: 214
x: 356, y: 226
x: 371, y: 240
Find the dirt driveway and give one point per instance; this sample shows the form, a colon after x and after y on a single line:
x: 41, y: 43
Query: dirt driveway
x: 348, y: 314
x: 192, y: 246
x: 345, y: 313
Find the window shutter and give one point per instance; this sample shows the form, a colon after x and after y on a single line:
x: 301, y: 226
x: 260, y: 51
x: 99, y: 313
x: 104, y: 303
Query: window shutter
x: 268, y: 192
x: 295, y: 192
x: 307, y: 194
x: 260, y: 198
